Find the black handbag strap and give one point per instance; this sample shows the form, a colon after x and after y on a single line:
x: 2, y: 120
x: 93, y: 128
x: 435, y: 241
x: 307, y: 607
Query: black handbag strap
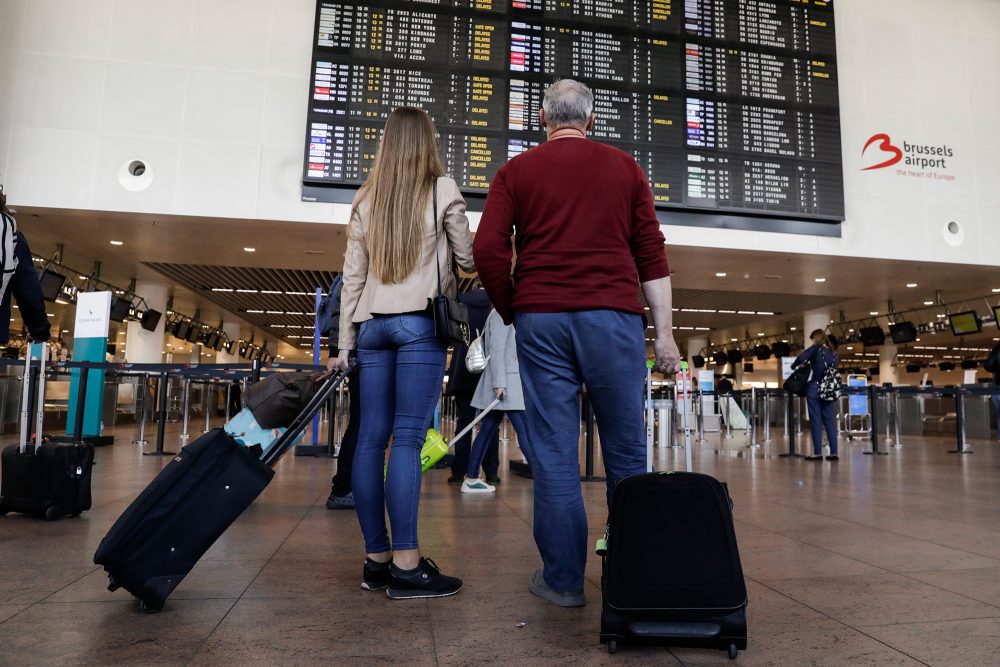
x: 434, y: 204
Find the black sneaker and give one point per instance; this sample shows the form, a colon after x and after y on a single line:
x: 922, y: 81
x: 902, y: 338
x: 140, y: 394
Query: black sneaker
x: 424, y: 581
x: 456, y: 480
x: 345, y: 502
x: 814, y: 457
x: 833, y: 457
x: 493, y: 479
x: 376, y: 575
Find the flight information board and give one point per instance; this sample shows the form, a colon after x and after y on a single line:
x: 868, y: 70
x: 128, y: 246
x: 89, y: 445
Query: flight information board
x: 728, y: 105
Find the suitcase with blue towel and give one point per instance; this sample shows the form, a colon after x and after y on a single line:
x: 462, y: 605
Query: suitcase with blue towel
x: 247, y: 432
x: 191, y: 502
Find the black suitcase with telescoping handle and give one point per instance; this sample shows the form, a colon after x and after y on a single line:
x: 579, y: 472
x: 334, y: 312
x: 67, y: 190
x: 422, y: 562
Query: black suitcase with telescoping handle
x: 40, y: 477
x: 189, y: 504
x: 671, y: 572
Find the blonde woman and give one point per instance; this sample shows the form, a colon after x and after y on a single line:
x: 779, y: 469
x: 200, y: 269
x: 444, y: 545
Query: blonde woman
x: 395, y: 248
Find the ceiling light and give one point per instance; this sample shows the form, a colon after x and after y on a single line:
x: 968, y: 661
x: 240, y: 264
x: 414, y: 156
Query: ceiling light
x: 792, y: 328
x: 928, y: 303
x: 820, y: 280
x: 850, y: 347
x: 720, y: 274
x: 733, y: 340
x: 65, y: 330
x: 911, y: 284
x: 761, y: 333
x: 873, y: 312
x: 50, y: 314
x: 249, y: 249
x: 996, y: 289
x: 117, y: 243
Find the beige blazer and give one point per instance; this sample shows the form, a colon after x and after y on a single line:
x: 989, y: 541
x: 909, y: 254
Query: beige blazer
x: 364, y: 295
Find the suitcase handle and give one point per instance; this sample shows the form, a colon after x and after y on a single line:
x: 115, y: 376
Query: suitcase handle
x: 26, y: 413
x: 40, y: 405
x: 298, y: 425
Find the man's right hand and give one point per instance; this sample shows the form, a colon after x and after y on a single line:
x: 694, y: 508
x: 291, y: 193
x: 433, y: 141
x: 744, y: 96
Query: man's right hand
x: 668, y: 357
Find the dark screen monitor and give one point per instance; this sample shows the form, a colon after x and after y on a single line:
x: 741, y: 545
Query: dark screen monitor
x: 111, y: 348
x: 762, y: 352
x: 230, y: 346
x: 965, y: 323
x: 51, y: 284
x: 947, y: 365
x: 903, y: 332
x: 698, y: 360
x: 912, y: 368
x: 212, y: 340
x: 720, y: 358
x: 871, y: 336
x: 734, y: 356
x: 119, y: 309
x: 781, y: 349
x: 969, y: 364
x: 748, y: 367
x: 150, y: 319
x: 170, y: 328
x: 181, y: 330
x: 194, y: 333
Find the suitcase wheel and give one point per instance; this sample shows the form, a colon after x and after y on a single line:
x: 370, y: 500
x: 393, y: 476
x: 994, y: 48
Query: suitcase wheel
x: 148, y: 608
x: 733, y: 651
x: 52, y: 513
x: 613, y: 646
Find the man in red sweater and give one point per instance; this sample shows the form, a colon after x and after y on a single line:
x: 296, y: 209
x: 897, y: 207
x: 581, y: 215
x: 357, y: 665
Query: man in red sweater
x: 586, y: 236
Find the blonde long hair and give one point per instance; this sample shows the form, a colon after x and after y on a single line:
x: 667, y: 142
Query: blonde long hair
x: 406, y: 165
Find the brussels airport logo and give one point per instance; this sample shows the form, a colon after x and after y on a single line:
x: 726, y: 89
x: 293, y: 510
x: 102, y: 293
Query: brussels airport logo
x: 914, y: 160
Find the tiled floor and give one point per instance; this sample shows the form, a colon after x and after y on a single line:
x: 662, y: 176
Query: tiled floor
x: 873, y: 561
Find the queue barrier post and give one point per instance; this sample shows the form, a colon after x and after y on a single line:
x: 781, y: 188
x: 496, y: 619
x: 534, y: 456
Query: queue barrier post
x: 185, y: 408
x: 790, y: 429
x: 963, y: 445
x: 143, y: 398
x: 873, y: 413
x: 161, y: 423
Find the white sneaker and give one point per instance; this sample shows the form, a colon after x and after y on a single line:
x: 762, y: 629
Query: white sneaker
x: 477, y: 486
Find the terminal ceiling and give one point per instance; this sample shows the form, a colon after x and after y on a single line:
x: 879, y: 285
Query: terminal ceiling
x: 202, y: 257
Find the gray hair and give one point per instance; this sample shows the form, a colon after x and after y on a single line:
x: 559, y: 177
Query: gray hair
x: 568, y: 102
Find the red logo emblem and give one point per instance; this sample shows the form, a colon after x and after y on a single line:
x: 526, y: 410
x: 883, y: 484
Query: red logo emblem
x: 884, y: 145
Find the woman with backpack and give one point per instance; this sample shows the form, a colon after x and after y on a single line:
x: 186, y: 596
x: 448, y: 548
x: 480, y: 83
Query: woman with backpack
x: 822, y: 392
x: 407, y: 222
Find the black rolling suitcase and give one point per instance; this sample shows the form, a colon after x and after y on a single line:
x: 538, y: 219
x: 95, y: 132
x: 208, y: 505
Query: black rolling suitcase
x: 47, y: 479
x: 671, y: 571
x: 188, y: 505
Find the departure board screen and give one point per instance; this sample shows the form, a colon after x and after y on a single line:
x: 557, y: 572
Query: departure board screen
x: 728, y: 105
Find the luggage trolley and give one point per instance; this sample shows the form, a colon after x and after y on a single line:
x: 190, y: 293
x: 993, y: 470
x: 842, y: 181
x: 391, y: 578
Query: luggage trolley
x: 856, y: 419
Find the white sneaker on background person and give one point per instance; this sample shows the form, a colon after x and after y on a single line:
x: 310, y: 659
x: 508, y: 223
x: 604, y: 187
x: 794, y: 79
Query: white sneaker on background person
x: 477, y: 486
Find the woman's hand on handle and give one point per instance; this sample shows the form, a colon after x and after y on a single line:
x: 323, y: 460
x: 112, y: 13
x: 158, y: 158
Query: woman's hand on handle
x: 340, y: 362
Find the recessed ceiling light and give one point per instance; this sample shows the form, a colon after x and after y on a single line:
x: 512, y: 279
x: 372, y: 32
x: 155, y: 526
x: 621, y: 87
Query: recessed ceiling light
x: 996, y: 289
x: 792, y: 328
x: 820, y: 280
x: 720, y: 274
x: 928, y: 303
x: 50, y: 314
x: 850, y: 347
x: 873, y: 312
x: 249, y: 249
x: 65, y: 330
x: 911, y: 284
x: 733, y: 340
x: 761, y: 333
x: 117, y: 243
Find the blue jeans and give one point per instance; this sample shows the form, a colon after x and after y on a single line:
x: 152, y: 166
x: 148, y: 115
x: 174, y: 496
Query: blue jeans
x: 557, y: 352
x: 822, y: 414
x: 488, y: 429
x: 403, y: 364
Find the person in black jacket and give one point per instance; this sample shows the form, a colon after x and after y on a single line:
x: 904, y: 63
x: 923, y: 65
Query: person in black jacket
x: 821, y: 413
x: 341, y: 491
x: 462, y: 385
x: 24, y: 287
x: 993, y: 366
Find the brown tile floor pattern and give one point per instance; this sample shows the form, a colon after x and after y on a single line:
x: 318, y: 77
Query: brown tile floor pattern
x: 873, y: 561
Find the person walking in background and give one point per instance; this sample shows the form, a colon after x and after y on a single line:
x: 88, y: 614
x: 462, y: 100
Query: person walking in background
x: 501, y: 379
x: 587, y: 236
x: 820, y: 356
x: 462, y: 386
x: 396, y: 250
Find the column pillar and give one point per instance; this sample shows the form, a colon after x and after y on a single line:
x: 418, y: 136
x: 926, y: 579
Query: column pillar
x: 816, y: 319
x: 232, y: 330
x: 141, y: 346
x: 886, y: 364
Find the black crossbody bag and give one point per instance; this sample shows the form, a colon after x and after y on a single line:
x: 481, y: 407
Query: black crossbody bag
x: 451, y: 318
